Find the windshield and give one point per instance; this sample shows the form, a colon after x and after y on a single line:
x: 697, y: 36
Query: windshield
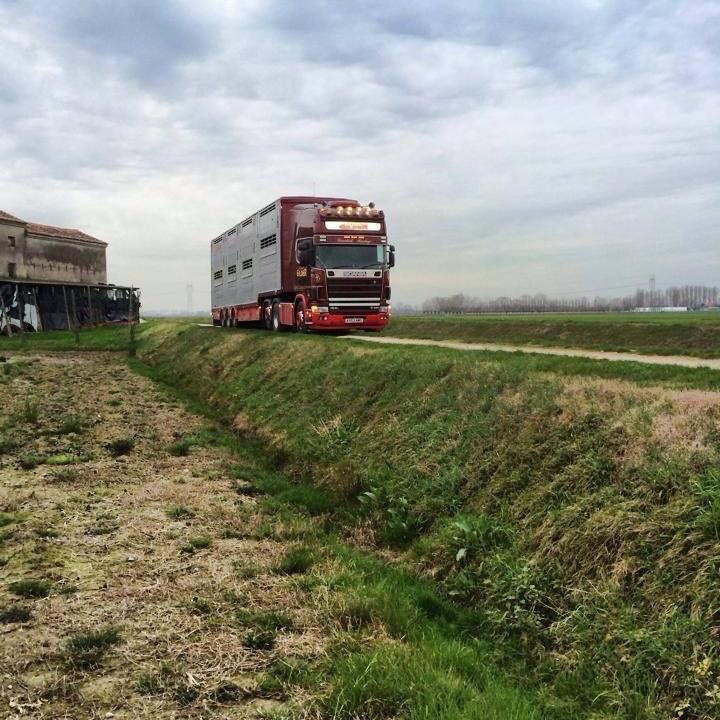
x: 349, y: 256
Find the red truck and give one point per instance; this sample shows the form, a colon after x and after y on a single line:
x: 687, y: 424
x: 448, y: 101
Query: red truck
x: 308, y: 263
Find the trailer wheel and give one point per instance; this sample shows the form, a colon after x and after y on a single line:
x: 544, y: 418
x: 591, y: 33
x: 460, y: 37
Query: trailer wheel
x: 301, y: 325
x: 267, y: 315
x: 275, y: 316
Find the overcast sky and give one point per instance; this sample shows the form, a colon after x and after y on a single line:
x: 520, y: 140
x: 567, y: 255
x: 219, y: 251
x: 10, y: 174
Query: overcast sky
x: 530, y: 145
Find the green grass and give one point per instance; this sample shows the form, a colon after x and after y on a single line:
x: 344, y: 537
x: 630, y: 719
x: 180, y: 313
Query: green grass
x: 102, y: 338
x: 570, y: 553
x: 262, y: 620
x: 201, y: 542
x: 257, y: 639
x: 296, y: 561
x: 15, y: 614
x: 120, y: 446
x: 180, y: 512
x: 30, y: 588
x: 30, y: 461
x: 180, y: 448
x: 7, y: 445
x: 649, y: 333
x: 583, y: 544
x: 63, y: 459
x: 87, y: 650
x: 71, y: 425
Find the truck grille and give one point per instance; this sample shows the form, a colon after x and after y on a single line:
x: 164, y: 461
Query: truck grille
x: 354, y: 295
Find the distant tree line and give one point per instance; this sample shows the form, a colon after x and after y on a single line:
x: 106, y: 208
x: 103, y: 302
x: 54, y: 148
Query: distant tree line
x: 692, y: 296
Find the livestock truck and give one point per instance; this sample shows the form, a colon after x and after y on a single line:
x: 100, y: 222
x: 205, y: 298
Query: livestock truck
x: 304, y: 263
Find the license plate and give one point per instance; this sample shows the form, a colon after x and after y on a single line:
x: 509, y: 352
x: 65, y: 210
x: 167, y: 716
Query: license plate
x: 354, y: 320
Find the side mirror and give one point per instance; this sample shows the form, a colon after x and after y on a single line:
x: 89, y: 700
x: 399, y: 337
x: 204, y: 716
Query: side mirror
x: 391, y: 257
x: 305, y: 252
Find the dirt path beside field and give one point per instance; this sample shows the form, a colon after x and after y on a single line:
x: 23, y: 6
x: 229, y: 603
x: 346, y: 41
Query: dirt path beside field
x: 679, y: 360
x: 136, y: 581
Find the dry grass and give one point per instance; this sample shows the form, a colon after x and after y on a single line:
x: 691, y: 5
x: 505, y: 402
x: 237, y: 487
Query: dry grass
x: 113, y: 561
x: 657, y: 418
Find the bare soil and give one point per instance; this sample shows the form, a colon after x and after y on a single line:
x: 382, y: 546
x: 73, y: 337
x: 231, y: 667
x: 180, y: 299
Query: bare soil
x: 109, y: 537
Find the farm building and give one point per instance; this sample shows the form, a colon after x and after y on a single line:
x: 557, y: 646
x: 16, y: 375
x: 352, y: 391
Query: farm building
x: 56, y: 278
x: 44, y: 253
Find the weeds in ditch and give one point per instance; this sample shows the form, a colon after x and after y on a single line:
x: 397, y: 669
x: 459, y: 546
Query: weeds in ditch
x: 262, y: 620
x: 180, y: 448
x: 120, y: 446
x: 30, y: 588
x: 15, y: 614
x: 201, y: 542
x: 295, y: 561
x: 64, y: 459
x: 30, y: 461
x: 179, y: 512
x: 30, y: 413
x: 256, y: 639
x: 70, y: 426
x: 86, y: 650
x: 7, y: 445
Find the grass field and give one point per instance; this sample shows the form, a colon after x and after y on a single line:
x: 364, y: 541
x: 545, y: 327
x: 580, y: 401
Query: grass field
x: 649, y: 333
x: 577, y: 515
x: 552, y: 524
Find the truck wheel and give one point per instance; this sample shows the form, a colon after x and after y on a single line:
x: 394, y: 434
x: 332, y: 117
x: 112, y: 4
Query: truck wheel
x: 275, y: 316
x: 301, y: 325
x: 267, y: 315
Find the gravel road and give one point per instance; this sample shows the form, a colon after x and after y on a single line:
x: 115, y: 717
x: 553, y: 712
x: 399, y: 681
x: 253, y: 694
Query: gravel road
x: 680, y: 360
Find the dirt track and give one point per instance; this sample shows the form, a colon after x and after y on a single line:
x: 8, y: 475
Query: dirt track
x: 158, y: 544
x: 679, y: 360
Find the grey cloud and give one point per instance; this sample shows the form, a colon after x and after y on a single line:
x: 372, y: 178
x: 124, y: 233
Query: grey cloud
x: 149, y: 39
x: 501, y: 138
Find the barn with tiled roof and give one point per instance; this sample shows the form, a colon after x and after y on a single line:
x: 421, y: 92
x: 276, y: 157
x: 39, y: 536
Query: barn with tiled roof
x: 47, y: 253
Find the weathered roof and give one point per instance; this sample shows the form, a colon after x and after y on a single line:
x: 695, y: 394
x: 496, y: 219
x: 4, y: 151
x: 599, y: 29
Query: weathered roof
x: 64, y: 233
x: 53, y: 231
x: 8, y: 216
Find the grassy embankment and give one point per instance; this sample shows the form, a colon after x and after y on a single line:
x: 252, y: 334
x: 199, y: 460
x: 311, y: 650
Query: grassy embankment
x: 579, y: 518
x: 695, y: 334
x: 575, y: 519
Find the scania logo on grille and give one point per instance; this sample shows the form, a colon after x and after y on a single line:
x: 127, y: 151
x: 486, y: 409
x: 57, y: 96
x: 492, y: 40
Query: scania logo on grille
x: 356, y: 273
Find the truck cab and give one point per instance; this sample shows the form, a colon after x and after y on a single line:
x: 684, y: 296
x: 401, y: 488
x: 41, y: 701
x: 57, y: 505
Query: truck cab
x: 342, y: 259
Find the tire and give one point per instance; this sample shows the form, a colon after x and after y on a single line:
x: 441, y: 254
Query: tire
x: 267, y: 315
x: 300, y: 325
x: 275, y: 317
x: 217, y: 323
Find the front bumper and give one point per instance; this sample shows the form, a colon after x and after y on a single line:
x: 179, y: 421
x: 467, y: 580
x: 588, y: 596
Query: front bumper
x: 346, y: 321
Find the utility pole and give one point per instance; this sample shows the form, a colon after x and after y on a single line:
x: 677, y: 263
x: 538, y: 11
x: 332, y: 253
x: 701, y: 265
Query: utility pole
x: 132, y: 350
x: 76, y: 322
x: 652, y: 291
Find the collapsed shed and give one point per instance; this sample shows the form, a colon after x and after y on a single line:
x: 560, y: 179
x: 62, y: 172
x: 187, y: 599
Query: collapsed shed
x: 55, y: 278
